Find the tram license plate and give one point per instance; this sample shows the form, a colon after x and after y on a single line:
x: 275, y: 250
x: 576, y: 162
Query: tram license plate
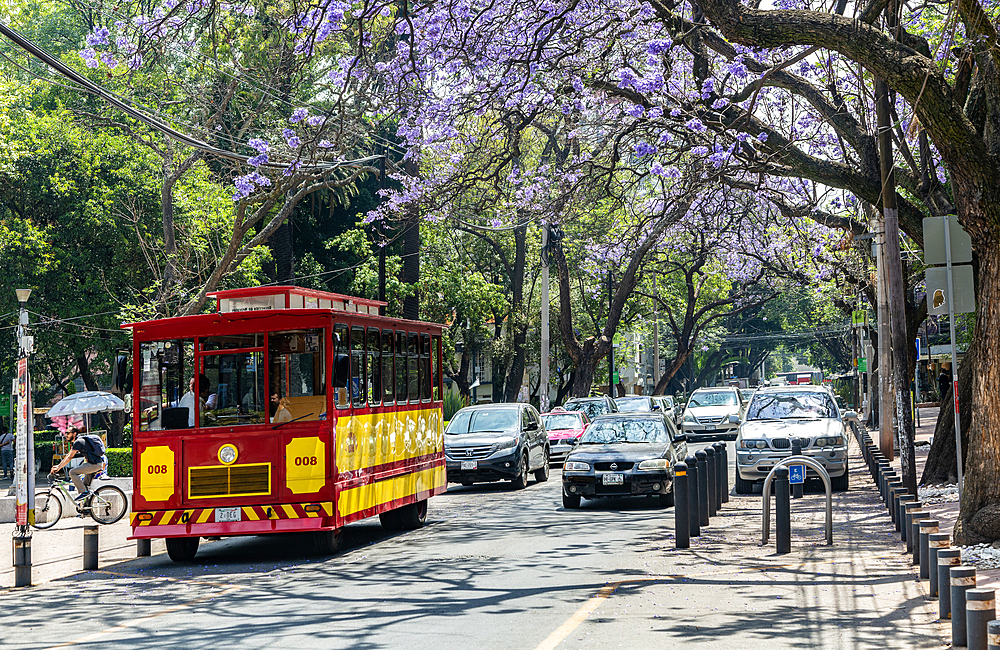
x: 470, y: 464
x: 227, y: 514
x: 613, y: 479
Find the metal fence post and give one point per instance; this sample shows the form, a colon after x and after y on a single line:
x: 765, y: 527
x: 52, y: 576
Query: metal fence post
x: 901, y: 515
x: 712, y: 481
x: 22, y: 561
x: 682, y: 520
x: 915, y: 536
x: 722, y: 472
x: 694, y: 498
x: 947, y: 558
x: 963, y: 578
x: 91, y: 545
x: 797, y: 451
x: 927, y: 526
x: 703, y: 505
x: 980, y: 609
x: 935, y: 542
x: 143, y: 547
x: 890, y: 491
x: 897, y: 494
x: 782, y: 511
x: 993, y: 635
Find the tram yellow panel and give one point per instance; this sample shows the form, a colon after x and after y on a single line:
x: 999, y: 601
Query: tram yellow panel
x: 372, y: 440
x: 305, y: 465
x: 156, y: 465
x: 368, y: 496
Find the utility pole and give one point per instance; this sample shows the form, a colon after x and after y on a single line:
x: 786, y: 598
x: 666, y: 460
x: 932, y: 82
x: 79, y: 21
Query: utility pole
x: 543, y: 374
x: 24, y: 465
x: 656, y: 334
x: 884, y: 360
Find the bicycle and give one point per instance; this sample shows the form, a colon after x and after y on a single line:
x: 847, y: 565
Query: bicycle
x: 106, y: 504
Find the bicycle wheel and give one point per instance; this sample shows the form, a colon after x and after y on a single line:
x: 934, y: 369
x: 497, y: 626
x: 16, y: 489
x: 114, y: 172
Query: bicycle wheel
x: 108, y: 505
x: 48, y: 509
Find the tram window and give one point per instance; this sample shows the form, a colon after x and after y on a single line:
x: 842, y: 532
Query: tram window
x: 388, y: 390
x: 167, y: 369
x: 341, y: 366
x: 401, y: 367
x: 358, y: 374
x: 412, y: 368
x: 296, y: 371
x: 436, y: 366
x: 374, y: 367
x: 231, y: 342
x: 425, y: 367
x: 236, y: 393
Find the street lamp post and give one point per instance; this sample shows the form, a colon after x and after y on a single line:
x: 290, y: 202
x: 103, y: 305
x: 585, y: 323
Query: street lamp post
x: 24, y: 468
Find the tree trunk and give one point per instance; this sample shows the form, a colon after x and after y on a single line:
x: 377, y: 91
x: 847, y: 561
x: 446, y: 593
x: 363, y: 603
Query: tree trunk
x: 941, y: 466
x: 518, y: 321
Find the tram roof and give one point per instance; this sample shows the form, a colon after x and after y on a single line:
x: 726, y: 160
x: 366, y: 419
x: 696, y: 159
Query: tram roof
x: 233, y: 303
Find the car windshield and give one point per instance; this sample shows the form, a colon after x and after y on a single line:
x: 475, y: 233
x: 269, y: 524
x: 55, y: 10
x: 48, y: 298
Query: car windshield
x: 789, y: 405
x: 592, y: 409
x: 633, y: 405
x: 719, y: 398
x: 562, y: 421
x: 484, y: 420
x: 746, y: 393
x: 625, y: 430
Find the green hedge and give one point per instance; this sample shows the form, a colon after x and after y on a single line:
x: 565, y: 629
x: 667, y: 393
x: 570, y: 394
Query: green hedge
x: 120, y: 461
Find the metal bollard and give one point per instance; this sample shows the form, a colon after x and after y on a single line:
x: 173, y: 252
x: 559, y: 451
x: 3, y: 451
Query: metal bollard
x: 898, y: 494
x: 980, y: 609
x: 912, y: 512
x: 963, y: 578
x: 782, y: 511
x: 927, y: 526
x: 144, y: 547
x: 682, y: 521
x: 915, y: 536
x: 947, y: 558
x: 890, y: 491
x: 935, y: 542
x: 888, y: 477
x: 703, y: 502
x: 694, y: 500
x: 91, y: 545
x: 722, y: 472
x: 901, y: 515
x: 797, y: 451
x: 713, y: 483
x: 993, y: 635
x: 22, y: 561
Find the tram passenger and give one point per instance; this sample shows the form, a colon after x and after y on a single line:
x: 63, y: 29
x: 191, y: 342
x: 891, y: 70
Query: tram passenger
x: 204, y: 393
x: 280, y: 412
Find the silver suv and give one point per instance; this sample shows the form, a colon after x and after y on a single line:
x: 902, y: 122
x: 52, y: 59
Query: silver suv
x: 713, y: 412
x: 778, y: 415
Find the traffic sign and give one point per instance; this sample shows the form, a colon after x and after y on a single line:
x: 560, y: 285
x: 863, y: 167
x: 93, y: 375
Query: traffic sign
x: 616, y: 340
x: 859, y: 317
x: 862, y: 364
x: 614, y: 377
x: 796, y: 474
x: 964, y: 300
x: 934, y: 249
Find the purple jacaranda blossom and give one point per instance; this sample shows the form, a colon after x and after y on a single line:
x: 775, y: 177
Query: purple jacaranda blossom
x: 259, y: 144
x: 298, y: 115
x: 635, y: 110
x: 695, y: 125
x: 98, y: 37
x: 643, y: 148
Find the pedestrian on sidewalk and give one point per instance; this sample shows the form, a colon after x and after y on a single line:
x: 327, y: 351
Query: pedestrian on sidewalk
x: 7, y: 454
x: 944, y: 382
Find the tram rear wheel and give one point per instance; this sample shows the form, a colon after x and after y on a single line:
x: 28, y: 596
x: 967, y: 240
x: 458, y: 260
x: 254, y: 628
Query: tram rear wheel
x: 326, y: 542
x: 413, y: 516
x: 182, y: 549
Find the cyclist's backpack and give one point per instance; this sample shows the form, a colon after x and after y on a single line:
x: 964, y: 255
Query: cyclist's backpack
x: 94, y: 448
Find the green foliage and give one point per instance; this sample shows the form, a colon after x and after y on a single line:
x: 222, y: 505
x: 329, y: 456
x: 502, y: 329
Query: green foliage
x: 452, y: 403
x: 120, y: 461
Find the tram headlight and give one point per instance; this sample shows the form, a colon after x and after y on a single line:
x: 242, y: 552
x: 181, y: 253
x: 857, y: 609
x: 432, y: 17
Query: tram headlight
x: 227, y: 454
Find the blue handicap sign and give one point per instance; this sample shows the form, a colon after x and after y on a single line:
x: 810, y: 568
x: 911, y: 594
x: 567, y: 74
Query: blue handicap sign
x: 796, y: 473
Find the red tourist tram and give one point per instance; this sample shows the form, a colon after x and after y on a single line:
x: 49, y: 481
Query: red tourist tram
x: 287, y: 410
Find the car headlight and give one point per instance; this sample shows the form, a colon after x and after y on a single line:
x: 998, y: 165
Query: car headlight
x: 575, y: 466
x: 653, y: 464
x: 689, y: 417
x: 506, y: 444
x: 820, y: 442
x: 753, y: 444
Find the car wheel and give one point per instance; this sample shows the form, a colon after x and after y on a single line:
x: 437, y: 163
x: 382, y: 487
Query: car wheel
x: 521, y: 481
x: 542, y: 473
x: 841, y: 483
x: 571, y: 501
x: 743, y: 486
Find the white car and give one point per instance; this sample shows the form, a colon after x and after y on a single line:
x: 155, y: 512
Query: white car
x: 779, y: 414
x: 713, y: 412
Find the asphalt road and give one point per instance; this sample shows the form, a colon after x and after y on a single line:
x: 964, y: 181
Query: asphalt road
x: 494, y: 568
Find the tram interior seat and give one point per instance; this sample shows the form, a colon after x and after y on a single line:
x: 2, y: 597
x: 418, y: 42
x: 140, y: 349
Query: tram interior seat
x: 310, y: 406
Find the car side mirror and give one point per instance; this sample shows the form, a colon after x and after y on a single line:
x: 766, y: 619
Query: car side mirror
x: 680, y: 437
x: 851, y: 416
x: 734, y: 419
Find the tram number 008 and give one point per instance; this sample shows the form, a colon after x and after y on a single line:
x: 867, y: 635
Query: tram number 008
x: 301, y: 461
x: 156, y: 469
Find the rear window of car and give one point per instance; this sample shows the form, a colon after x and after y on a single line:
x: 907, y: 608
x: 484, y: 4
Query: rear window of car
x: 626, y: 430
x: 592, y: 409
x: 719, y: 398
x: 791, y: 405
x: 633, y: 405
x: 484, y: 421
x: 562, y: 421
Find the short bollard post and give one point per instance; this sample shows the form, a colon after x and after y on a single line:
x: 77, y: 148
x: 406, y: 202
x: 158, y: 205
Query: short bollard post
x: 890, y: 490
x: 897, y: 494
x: 703, y: 504
x: 91, y: 544
x: 901, y: 515
x: 682, y: 521
x: 143, y: 547
x: 22, y: 561
x: 722, y: 473
x: 993, y: 635
x: 694, y: 503
x: 947, y: 558
x: 713, y: 483
x: 935, y: 542
x: 782, y: 511
x: 980, y: 609
x: 927, y: 526
x: 915, y: 535
x: 963, y: 578
x: 911, y: 512
x: 797, y: 451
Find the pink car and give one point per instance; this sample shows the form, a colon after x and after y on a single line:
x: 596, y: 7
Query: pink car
x: 564, y: 429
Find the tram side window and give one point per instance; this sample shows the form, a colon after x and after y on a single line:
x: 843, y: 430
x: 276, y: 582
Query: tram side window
x: 236, y: 393
x: 425, y: 367
x: 388, y: 389
x: 341, y: 367
x: 401, y: 367
x: 166, y: 399
x: 436, y: 365
x: 358, y: 374
x: 297, y: 369
x: 412, y: 367
x: 374, y: 367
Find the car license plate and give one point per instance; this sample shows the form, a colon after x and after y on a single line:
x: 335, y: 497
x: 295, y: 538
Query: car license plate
x: 227, y: 514
x: 470, y: 464
x: 613, y: 479
x: 709, y: 427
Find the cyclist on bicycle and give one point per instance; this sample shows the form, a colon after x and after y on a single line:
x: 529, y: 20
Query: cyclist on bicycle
x: 87, y: 470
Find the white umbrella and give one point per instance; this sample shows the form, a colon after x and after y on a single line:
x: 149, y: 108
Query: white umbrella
x: 91, y: 401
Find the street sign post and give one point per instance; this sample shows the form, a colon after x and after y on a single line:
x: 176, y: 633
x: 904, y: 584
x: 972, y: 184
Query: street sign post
x: 796, y: 474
